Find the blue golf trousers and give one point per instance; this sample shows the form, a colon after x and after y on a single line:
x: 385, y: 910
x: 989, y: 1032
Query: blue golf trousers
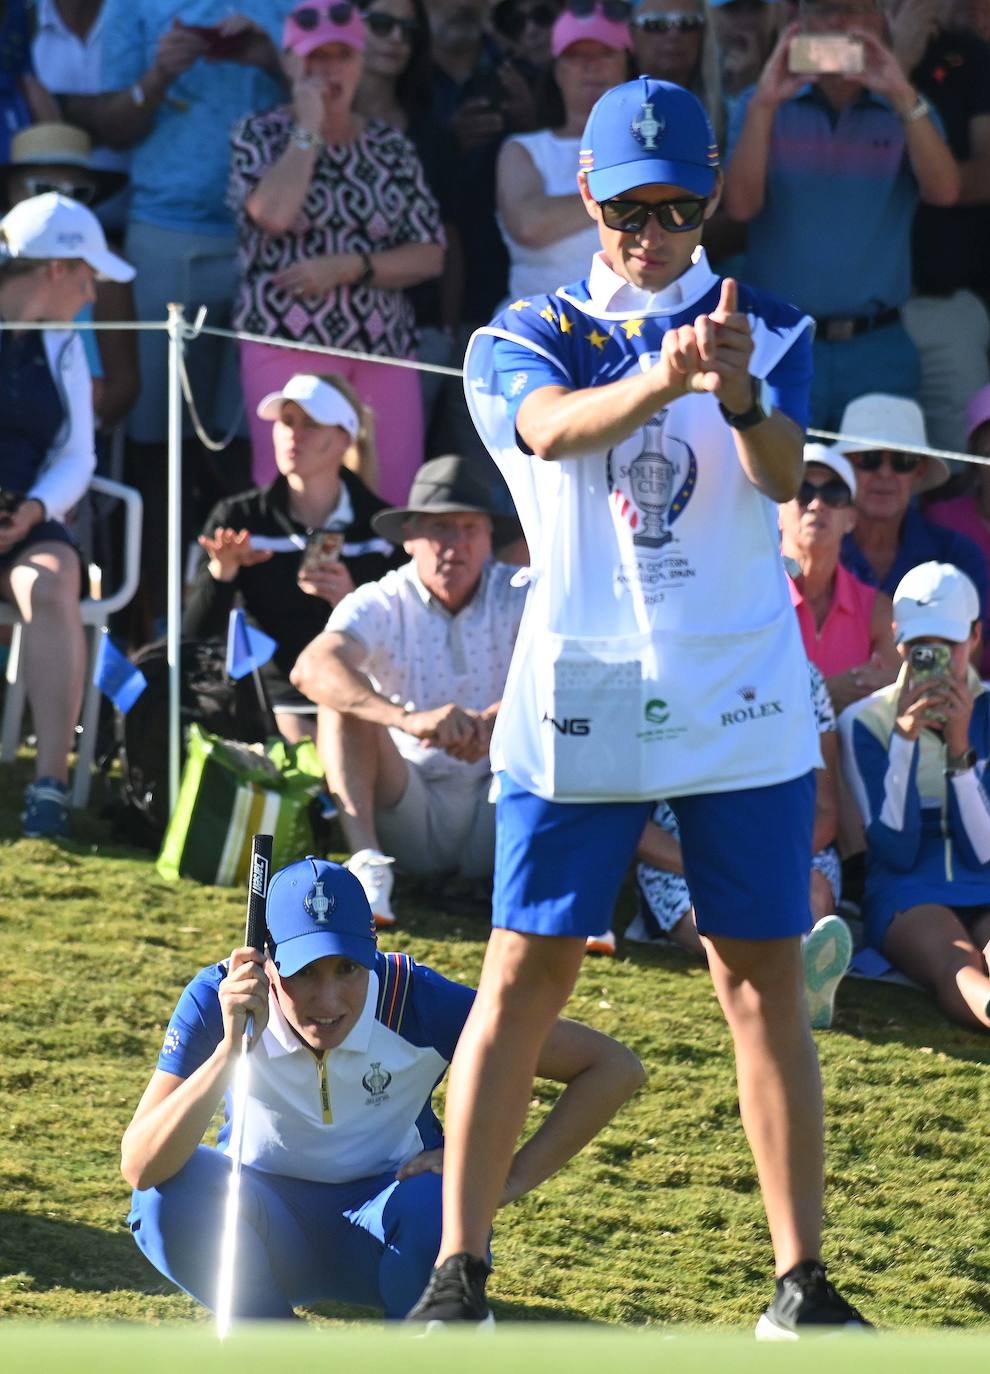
x: 372, y: 1241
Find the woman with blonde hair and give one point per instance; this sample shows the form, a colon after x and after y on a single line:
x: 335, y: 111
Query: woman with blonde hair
x: 674, y: 40
x: 294, y: 548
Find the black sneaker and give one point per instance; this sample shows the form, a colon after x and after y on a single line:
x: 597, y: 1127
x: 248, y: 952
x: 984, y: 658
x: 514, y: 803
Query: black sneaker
x: 805, y: 1299
x: 455, y: 1293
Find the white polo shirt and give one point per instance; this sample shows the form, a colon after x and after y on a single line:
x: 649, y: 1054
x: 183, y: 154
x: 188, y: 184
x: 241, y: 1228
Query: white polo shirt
x: 419, y: 655
x: 356, y: 1111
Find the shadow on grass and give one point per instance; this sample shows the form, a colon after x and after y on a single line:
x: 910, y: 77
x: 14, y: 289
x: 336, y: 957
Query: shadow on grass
x: 63, y: 1254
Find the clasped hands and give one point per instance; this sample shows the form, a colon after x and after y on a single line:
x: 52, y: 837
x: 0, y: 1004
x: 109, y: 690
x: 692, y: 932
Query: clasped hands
x: 463, y: 733
x: 711, y: 355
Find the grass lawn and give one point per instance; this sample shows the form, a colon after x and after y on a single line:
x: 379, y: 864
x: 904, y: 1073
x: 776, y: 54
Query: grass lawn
x: 657, y: 1222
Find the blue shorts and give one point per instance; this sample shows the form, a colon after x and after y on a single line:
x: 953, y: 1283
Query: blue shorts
x: 747, y: 857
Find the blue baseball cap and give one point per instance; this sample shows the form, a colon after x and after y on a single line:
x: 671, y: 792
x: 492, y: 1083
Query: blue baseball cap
x: 648, y: 131
x: 316, y: 908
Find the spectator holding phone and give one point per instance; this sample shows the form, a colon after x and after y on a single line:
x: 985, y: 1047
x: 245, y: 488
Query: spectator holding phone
x: 828, y: 157
x: 51, y: 250
x: 291, y: 550
x: 917, y: 753
x: 335, y: 220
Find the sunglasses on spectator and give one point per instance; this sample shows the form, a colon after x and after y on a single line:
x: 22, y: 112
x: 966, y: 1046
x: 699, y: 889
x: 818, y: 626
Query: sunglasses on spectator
x: 632, y: 216
x: 382, y: 25
x: 901, y: 463
x: 511, y: 19
x: 83, y: 192
x: 669, y: 23
x: 308, y: 18
x: 834, y: 493
x: 616, y: 10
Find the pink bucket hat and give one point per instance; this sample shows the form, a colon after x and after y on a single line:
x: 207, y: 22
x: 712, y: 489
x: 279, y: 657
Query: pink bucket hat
x: 977, y: 411
x: 309, y: 26
x: 572, y: 28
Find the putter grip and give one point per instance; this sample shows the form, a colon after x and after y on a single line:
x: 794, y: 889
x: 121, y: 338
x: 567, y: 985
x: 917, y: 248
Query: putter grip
x: 255, y: 929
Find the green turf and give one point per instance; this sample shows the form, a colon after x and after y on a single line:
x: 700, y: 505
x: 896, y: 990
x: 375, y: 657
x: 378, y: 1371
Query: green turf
x: 658, y: 1222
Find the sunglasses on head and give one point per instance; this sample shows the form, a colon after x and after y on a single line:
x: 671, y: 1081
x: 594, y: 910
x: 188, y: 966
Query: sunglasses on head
x: 669, y: 23
x: 511, y: 19
x: 616, y: 10
x: 308, y: 18
x: 84, y: 193
x: 382, y: 25
x: 675, y: 216
x: 873, y: 461
x: 834, y: 493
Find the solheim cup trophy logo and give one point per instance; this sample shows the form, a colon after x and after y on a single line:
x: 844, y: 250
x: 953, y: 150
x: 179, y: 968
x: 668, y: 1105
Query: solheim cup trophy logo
x: 648, y: 128
x: 651, y: 478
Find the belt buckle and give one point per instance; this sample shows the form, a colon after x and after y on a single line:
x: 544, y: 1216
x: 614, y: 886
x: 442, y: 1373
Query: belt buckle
x: 840, y: 329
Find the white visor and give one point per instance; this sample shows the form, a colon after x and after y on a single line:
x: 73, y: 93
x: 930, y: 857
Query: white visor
x: 321, y: 402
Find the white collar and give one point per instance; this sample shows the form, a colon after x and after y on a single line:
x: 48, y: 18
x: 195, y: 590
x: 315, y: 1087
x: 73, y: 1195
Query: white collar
x: 609, y: 291
x: 342, y: 514
x: 357, y: 1039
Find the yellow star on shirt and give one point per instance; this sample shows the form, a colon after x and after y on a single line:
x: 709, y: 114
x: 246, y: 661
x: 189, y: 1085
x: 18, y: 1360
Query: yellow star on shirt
x: 519, y: 305
x: 565, y: 324
x: 547, y: 314
x: 633, y: 328
x: 597, y: 340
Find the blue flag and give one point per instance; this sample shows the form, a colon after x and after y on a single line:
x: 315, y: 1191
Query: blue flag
x: 116, y: 676
x: 247, y: 648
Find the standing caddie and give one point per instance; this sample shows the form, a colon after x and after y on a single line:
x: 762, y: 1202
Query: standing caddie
x: 648, y: 420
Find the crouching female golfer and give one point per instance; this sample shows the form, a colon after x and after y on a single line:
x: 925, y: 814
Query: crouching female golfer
x: 340, y: 1191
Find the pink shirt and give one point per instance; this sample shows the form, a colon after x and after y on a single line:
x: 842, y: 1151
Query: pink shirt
x: 844, y: 638
x: 963, y: 516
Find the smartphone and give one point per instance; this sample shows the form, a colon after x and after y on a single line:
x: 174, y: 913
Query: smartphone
x: 814, y: 54
x: 219, y: 45
x: 322, y: 547
x: 929, y: 661
x: 9, y: 501
x: 485, y: 88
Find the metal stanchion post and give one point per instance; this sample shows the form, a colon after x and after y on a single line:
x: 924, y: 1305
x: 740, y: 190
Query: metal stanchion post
x: 176, y: 327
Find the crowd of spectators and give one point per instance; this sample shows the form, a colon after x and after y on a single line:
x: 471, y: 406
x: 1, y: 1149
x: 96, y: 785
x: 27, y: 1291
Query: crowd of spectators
x: 378, y: 178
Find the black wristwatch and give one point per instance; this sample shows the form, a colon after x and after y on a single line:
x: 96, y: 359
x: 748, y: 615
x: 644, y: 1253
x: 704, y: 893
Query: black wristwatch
x: 745, y: 419
x: 962, y: 763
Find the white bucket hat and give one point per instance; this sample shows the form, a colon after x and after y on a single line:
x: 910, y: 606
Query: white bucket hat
x: 320, y: 400
x: 935, y: 601
x: 52, y: 226
x: 829, y: 456
x: 887, y: 422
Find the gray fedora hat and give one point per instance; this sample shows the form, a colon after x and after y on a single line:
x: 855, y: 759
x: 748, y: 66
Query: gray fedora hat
x: 448, y: 486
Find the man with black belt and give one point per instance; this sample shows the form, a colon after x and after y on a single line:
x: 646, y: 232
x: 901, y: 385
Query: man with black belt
x: 828, y: 169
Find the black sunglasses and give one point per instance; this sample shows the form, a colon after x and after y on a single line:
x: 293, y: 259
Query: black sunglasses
x: 84, y: 193
x: 632, y: 216
x: 834, y: 493
x: 381, y: 25
x: 510, y: 18
x: 669, y: 23
x: 309, y: 16
x: 873, y: 461
x: 616, y: 10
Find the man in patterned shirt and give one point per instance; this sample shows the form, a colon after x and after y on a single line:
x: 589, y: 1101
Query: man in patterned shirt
x: 408, y: 676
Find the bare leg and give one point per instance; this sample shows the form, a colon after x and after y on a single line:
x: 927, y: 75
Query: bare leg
x: 295, y: 728
x: 44, y: 585
x: 822, y: 898
x: 364, y: 771
x: 525, y: 981
x: 685, y: 934
x: 931, y: 945
x: 760, y: 986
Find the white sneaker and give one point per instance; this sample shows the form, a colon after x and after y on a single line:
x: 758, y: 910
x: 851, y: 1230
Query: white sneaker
x: 637, y: 933
x: 601, y: 944
x: 373, y: 871
x: 826, y: 952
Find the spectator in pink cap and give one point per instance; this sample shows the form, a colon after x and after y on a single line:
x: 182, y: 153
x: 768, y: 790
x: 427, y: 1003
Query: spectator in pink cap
x: 335, y: 219
x: 969, y: 513
x: 541, y: 215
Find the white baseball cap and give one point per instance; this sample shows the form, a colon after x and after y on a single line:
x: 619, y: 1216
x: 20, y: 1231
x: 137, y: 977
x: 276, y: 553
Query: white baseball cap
x: 53, y: 226
x: 828, y: 456
x: 935, y: 601
x: 320, y: 400
x: 888, y: 422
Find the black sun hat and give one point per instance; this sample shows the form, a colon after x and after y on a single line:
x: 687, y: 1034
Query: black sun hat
x: 452, y: 485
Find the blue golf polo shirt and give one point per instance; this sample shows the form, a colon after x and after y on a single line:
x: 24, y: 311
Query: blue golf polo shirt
x: 921, y: 542
x: 834, y: 234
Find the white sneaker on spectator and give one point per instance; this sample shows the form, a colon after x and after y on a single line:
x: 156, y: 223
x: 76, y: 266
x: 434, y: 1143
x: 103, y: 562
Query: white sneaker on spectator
x: 638, y: 933
x: 601, y: 944
x: 826, y: 952
x: 373, y: 871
